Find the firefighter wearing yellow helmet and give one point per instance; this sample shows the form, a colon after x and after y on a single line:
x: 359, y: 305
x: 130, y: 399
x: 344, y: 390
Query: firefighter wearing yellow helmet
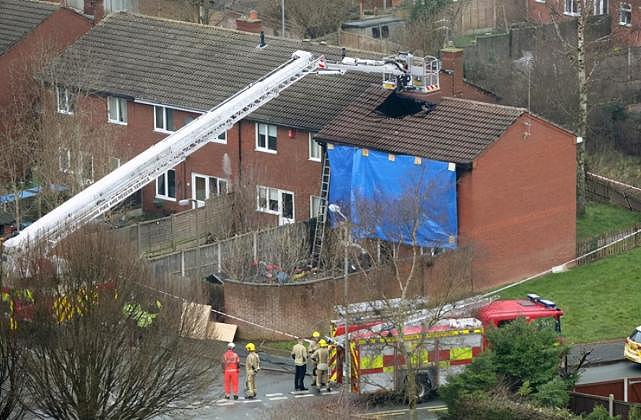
x: 321, y: 358
x: 252, y: 365
x: 313, y: 345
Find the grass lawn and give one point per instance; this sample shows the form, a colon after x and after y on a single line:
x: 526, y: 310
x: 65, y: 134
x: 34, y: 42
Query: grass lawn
x: 601, y: 218
x: 601, y: 301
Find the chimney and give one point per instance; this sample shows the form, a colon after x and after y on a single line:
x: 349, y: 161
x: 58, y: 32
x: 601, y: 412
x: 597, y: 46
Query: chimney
x: 250, y: 23
x: 452, y: 63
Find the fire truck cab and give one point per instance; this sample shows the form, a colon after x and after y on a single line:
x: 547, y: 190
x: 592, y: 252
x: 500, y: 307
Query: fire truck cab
x: 441, y: 349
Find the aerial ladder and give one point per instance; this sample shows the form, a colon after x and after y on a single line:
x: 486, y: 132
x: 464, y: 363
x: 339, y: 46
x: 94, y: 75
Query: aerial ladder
x: 403, y: 71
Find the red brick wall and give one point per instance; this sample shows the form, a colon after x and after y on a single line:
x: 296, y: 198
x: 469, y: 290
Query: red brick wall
x: 310, y: 306
x: 517, y: 206
x: 626, y: 35
x: 55, y: 33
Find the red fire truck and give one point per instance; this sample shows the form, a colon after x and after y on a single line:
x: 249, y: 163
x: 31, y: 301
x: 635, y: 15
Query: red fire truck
x: 443, y: 348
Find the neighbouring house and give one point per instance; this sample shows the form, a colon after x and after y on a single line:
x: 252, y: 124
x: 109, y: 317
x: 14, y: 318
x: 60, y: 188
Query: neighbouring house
x: 156, y: 75
x: 515, y: 174
x: 624, y: 15
x: 31, y: 30
x: 377, y: 27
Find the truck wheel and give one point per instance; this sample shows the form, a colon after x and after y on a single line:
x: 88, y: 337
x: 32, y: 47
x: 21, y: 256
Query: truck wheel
x: 423, y: 387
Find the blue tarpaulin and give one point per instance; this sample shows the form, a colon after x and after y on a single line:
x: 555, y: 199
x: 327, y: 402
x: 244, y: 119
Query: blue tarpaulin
x: 396, y: 198
x: 29, y: 193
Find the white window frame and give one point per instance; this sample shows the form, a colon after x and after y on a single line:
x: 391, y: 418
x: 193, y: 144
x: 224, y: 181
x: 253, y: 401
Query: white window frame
x: 279, y: 198
x: 573, y: 7
x: 627, y: 9
x: 208, y: 192
x: 312, y: 199
x: 314, y: 145
x: 86, y: 180
x: 600, y: 7
x: 66, y: 105
x: 119, y: 106
x: 221, y: 138
x: 164, y: 195
x: 268, y: 128
x: 163, y: 127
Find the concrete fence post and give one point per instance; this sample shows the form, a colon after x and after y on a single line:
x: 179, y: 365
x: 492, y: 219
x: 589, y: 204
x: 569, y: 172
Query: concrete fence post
x: 220, y: 259
x: 611, y: 405
x: 138, y: 244
x: 255, y: 245
x: 173, y: 231
x: 182, y: 263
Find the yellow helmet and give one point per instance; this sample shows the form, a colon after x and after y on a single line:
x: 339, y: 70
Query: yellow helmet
x: 250, y: 347
x: 315, y: 334
x: 322, y: 343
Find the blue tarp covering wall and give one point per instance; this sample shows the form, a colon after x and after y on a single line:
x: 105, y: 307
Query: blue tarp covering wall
x: 389, y: 199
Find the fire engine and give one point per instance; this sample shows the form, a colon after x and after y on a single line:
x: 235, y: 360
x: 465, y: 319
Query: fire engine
x: 438, y: 349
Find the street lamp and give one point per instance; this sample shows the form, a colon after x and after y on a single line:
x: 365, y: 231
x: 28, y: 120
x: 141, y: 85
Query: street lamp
x: 335, y: 208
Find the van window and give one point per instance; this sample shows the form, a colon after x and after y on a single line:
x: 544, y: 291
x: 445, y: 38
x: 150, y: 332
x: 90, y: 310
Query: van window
x: 636, y: 336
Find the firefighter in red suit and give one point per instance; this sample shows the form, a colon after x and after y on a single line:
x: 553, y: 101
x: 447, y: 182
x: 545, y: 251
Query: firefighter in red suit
x: 231, y: 367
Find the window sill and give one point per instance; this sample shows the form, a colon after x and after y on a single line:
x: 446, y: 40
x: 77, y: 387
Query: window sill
x: 268, y: 211
x: 570, y: 14
x: 540, y: 1
x: 272, y: 152
x: 116, y: 122
x: 158, y: 130
x: 165, y: 198
x: 60, y: 111
x: 626, y: 25
x: 314, y: 159
x: 218, y: 141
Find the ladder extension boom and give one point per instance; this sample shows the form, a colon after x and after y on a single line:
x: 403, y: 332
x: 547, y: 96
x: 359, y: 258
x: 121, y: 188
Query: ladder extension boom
x: 125, y: 180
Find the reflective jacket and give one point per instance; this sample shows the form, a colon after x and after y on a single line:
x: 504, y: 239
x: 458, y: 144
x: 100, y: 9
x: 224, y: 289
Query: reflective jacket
x: 231, y: 361
x: 252, y: 363
x: 321, y: 357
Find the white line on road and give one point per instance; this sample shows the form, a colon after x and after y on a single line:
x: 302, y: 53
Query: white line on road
x: 277, y: 398
x: 251, y: 401
x: 226, y: 403
x: 276, y: 394
x: 329, y: 393
x: 303, y: 395
x: 222, y: 401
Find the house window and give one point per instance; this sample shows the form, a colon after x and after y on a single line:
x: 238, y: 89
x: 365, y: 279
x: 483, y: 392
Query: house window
x: 376, y: 32
x: 65, y: 100
x: 117, y: 110
x: 314, y: 206
x: 114, y: 163
x: 625, y: 14
x: 166, y: 185
x: 275, y: 201
x: 205, y: 186
x: 221, y: 138
x: 600, y: 7
x: 571, y: 8
x: 87, y: 169
x: 314, y: 149
x: 164, y: 119
x: 385, y: 31
x: 266, y: 137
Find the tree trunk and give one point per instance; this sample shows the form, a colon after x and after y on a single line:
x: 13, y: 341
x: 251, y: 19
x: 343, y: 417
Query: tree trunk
x: 582, y: 123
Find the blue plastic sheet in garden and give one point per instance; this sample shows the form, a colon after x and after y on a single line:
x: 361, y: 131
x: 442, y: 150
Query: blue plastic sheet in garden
x: 396, y: 198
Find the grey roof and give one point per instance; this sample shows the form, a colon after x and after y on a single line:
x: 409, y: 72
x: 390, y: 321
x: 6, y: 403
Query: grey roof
x: 456, y: 130
x: 19, y: 17
x: 196, y: 67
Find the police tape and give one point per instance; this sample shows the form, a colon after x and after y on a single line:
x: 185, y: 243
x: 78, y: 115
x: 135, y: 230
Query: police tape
x: 228, y: 315
x: 561, y: 267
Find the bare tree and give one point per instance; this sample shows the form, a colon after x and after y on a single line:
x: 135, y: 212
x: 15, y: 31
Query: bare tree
x: 427, y: 281
x: 104, y: 343
x: 306, y: 18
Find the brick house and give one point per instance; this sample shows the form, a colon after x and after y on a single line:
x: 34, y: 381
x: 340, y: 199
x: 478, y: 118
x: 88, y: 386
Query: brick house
x: 624, y: 15
x: 166, y: 73
x: 28, y: 27
x: 515, y: 172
